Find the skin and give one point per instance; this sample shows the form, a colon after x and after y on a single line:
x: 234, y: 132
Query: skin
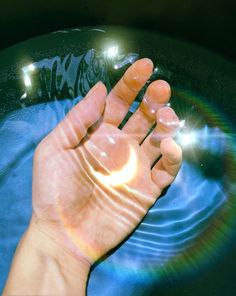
x: 77, y: 216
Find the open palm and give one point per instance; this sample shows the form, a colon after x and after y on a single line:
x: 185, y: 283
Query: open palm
x: 94, y: 182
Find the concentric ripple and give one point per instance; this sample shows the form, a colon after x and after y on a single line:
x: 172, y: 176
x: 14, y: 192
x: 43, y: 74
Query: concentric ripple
x: 194, y: 222
x: 191, y: 225
x: 182, y: 230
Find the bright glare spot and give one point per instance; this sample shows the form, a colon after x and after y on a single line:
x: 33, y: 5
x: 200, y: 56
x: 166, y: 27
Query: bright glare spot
x: 23, y: 96
x: 187, y: 139
x: 155, y: 70
x: 119, y: 177
x: 112, y: 51
x: 111, y: 140
x: 29, y: 68
x: 182, y: 124
x: 27, y: 81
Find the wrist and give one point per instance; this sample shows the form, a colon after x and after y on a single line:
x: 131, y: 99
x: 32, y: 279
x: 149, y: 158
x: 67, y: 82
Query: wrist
x: 49, y: 245
x: 42, y: 267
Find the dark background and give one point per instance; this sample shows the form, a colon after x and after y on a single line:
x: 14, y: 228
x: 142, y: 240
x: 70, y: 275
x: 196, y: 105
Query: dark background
x: 211, y: 23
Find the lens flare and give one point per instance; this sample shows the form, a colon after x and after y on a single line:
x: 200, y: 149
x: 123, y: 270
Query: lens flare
x: 26, y: 70
x: 194, y: 223
x: 29, y: 68
x: 112, y: 51
x: 187, y: 139
x: 27, y: 81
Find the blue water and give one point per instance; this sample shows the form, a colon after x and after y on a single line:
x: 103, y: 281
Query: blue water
x: 173, y: 226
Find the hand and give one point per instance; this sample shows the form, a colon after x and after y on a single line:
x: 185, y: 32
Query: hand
x: 92, y: 182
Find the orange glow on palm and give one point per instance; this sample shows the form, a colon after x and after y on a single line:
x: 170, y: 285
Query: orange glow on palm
x: 116, y: 178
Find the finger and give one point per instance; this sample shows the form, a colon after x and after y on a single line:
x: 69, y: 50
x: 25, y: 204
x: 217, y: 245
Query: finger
x: 167, y: 125
x: 125, y: 91
x: 167, y: 167
x: 71, y: 130
x: 157, y: 95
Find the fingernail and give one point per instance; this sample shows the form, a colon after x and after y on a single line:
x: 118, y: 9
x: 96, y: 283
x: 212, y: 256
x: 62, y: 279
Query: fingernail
x: 147, y: 61
x: 163, y: 83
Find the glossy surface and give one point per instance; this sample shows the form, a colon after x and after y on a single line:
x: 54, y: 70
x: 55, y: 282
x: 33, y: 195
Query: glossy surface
x: 189, y: 228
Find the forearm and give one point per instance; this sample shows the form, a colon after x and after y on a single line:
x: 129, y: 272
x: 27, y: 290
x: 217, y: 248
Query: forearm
x: 41, y: 267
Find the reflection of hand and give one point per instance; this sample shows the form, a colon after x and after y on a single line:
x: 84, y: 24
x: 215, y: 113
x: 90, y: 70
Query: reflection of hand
x: 91, y: 187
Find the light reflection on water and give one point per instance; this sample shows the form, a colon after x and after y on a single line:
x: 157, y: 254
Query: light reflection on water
x: 172, y: 226
x: 184, y: 229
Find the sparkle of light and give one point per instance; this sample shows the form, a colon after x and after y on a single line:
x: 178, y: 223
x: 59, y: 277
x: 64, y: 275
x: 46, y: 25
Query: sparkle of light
x: 27, y: 81
x: 24, y: 96
x: 182, y: 124
x: 187, y: 139
x: 112, y: 51
x: 111, y: 140
x: 29, y: 68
